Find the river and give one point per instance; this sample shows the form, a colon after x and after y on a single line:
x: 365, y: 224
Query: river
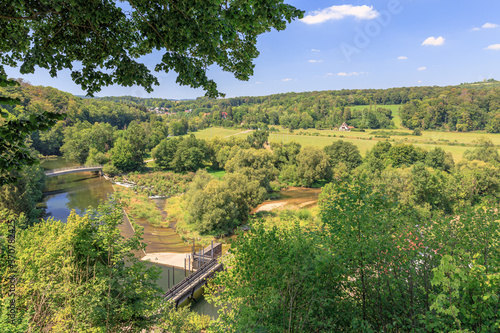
x: 78, y: 191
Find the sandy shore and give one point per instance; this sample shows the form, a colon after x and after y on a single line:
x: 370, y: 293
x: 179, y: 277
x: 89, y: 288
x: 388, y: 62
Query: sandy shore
x: 167, y: 258
x: 270, y: 206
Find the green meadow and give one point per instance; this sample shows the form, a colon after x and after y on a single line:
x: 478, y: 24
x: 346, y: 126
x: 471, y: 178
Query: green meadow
x: 220, y: 132
x: 454, y: 142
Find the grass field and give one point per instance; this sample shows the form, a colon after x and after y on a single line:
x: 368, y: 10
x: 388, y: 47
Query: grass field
x: 439, y: 137
x: 395, y: 115
x: 453, y: 142
x: 321, y: 141
x: 220, y: 132
x: 219, y: 174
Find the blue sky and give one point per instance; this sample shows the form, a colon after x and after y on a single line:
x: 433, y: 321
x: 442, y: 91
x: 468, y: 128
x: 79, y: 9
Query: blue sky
x: 351, y: 45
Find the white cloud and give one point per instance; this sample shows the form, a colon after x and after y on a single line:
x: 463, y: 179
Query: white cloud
x: 402, y: 58
x: 423, y: 68
x: 475, y: 29
x: 433, y: 41
x: 315, y: 50
x: 490, y: 25
x: 350, y: 74
x: 493, y: 47
x: 312, y: 60
x: 419, y: 81
x: 286, y: 80
x: 339, y: 12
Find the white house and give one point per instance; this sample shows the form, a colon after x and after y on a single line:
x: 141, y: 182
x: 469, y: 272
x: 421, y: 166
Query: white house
x: 344, y: 127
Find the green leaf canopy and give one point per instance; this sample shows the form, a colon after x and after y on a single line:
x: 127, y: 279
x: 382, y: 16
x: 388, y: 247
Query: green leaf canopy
x: 100, y: 41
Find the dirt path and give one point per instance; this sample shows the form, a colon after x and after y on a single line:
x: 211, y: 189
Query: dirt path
x: 247, y: 131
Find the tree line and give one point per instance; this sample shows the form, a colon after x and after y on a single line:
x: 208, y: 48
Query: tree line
x: 466, y: 107
x: 370, y: 264
x: 427, y: 180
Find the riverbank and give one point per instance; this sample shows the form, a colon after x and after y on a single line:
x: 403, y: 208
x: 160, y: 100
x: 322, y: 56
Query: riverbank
x: 162, y: 220
x: 80, y: 191
x: 158, y: 234
x: 291, y: 198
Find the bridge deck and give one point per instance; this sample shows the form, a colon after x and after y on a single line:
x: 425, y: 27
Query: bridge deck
x: 190, y: 284
x: 64, y: 171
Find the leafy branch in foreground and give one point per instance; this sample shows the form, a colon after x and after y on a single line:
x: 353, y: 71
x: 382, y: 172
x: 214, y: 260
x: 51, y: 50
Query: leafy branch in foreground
x: 192, y: 35
x: 14, y: 153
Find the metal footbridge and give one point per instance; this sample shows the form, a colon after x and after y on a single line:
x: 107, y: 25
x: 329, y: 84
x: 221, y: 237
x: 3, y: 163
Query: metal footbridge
x: 64, y: 171
x: 207, y: 264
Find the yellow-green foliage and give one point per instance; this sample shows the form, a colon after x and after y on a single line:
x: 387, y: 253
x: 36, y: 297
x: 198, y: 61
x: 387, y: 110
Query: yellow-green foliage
x: 182, y: 320
x: 159, y: 183
x: 286, y: 218
x: 176, y: 212
x: 138, y: 206
x: 70, y: 276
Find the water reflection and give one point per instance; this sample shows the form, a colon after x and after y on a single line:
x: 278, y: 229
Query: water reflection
x: 76, y: 191
x: 199, y: 305
x: 79, y: 191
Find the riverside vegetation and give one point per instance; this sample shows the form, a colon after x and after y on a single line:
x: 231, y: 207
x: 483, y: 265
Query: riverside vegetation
x: 404, y: 237
x: 403, y: 240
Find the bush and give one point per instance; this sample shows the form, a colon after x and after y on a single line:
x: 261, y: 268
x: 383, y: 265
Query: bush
x: 110, y: 170
x: 215, y: 207
x: 181, y: 320
x: 304, y: 214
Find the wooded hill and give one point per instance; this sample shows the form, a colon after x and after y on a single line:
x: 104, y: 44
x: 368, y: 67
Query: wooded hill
x: 37, y: 99
x: 465, y: 107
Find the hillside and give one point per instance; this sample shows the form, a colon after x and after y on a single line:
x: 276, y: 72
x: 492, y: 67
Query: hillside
x: 37, y: 99
x: 465, y: 107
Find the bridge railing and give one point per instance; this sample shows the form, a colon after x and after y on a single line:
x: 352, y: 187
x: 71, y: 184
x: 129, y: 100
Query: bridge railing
x: 188, y: 280
x: 48, y: 172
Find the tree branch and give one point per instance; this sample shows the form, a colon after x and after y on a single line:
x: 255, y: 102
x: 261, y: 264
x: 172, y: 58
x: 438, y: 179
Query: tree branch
x: 149, y: 23
x: 31, y: 17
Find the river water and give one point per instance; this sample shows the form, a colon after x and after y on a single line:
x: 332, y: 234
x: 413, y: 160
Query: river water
x: 79, y: 191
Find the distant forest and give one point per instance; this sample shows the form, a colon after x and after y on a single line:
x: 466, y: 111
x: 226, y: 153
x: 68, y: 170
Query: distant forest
x: 466, y: 107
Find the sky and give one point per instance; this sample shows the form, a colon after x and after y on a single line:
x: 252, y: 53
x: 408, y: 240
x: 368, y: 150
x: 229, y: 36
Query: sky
x: 350, y: 45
